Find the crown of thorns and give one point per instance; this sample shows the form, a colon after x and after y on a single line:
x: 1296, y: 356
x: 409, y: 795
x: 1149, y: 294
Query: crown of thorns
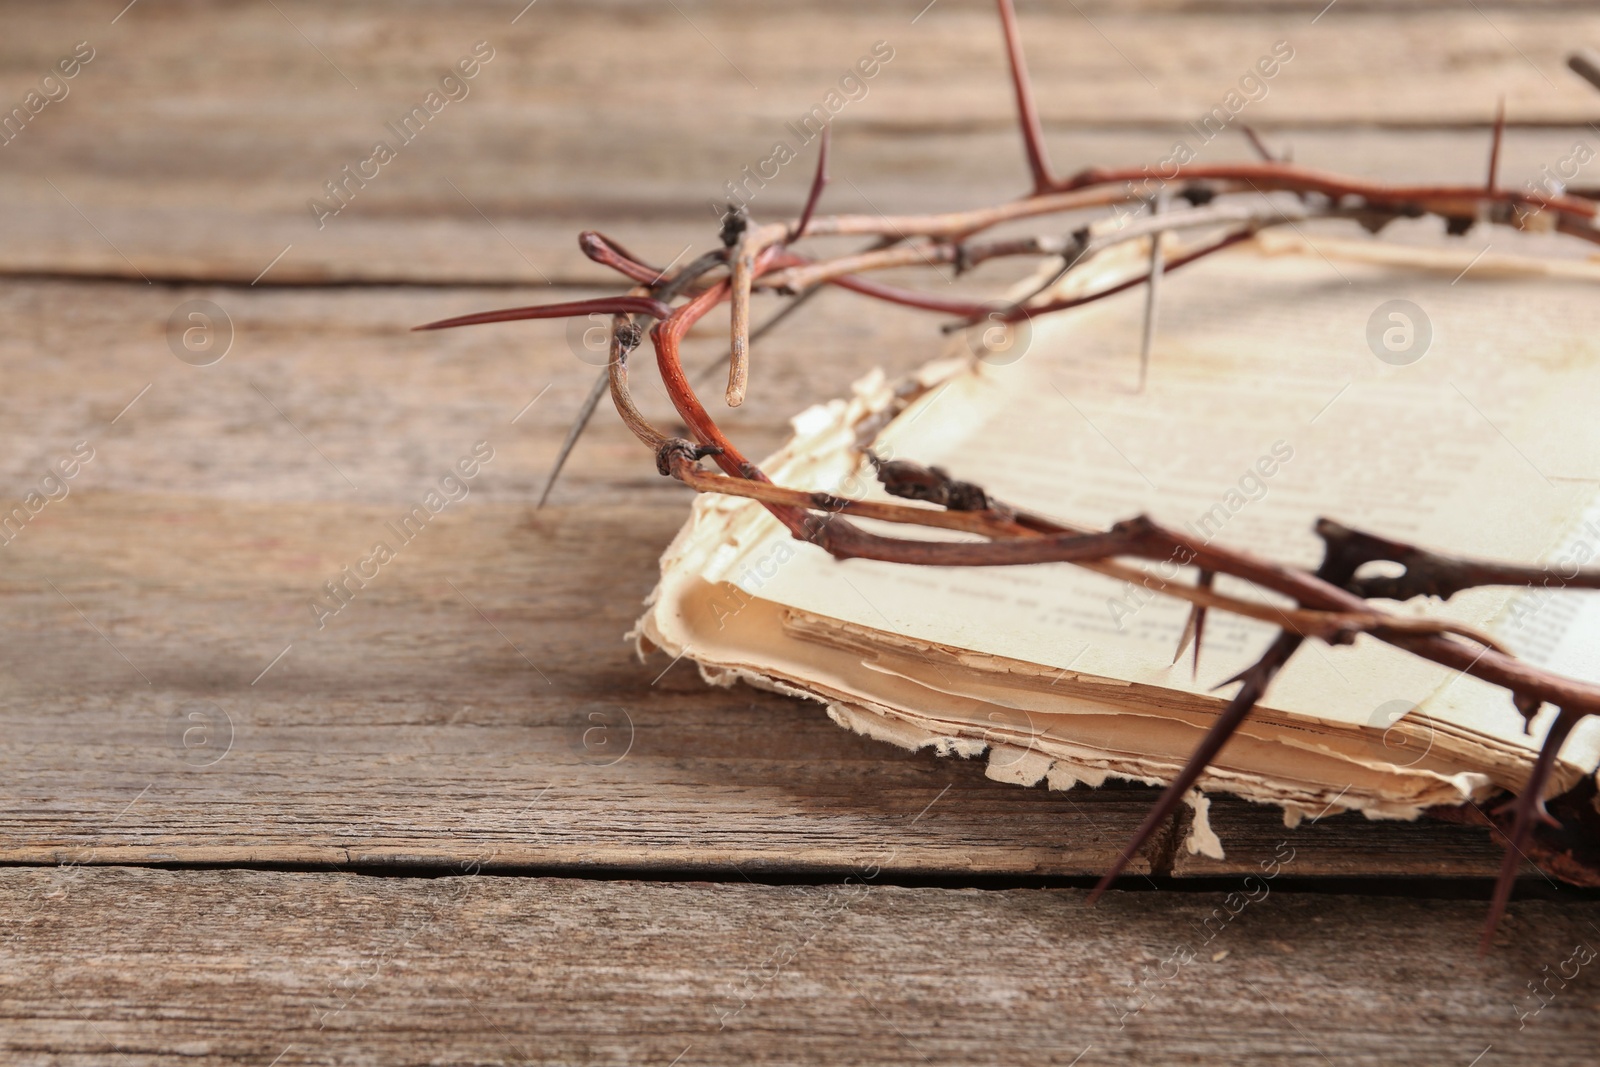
x: 1333, y: 603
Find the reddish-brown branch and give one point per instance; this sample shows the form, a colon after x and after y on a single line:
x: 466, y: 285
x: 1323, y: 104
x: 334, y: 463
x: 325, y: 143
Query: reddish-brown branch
x: 1027, y: 111
x: 1449, y: 201
x: 606, y: 252
x: 997, y: 521
x: 1529, y: 808
x: 1176, y: 263
x: 890, y: 294
x: 783, y: 262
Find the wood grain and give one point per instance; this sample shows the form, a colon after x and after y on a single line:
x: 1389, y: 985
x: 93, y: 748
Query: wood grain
x: 151, y: 967
x: 191, y: 146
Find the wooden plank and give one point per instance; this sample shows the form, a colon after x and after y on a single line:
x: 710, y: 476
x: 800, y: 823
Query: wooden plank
x: 468, y: 700
x: 413, y: 730
x: 201, y: 967
x: 193, y: 143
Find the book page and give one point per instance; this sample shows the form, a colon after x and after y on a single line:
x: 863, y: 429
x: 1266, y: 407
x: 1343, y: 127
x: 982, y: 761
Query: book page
x: 1281, y: 389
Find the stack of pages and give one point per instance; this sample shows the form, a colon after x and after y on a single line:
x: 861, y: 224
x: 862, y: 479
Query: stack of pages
x: 1392, y: 389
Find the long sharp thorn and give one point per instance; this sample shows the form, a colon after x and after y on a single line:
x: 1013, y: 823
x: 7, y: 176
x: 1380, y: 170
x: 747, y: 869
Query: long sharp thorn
x: 1258, y: 144
x: 1256, y: 680
x: 1530, y: 801
x: 817, y: 184
x: 1027, y: 112
x: 1152, y: 294
x: 605, y: 305
x: 1268, y: 155
x: 1194, y: 629
x: 1585, y: 63
x: 602, y: 385
x: 1188, y: 632
x: 1494, y: 145
x: 1207, y: 579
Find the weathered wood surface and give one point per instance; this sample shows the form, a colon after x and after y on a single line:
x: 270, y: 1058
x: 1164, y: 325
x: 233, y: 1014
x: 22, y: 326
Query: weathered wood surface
x: 156, y: 967
x: 475, y: 706
x: 193, y: 141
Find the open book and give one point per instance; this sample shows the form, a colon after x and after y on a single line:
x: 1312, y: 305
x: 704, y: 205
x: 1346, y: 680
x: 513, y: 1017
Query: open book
x: 1286, y: 383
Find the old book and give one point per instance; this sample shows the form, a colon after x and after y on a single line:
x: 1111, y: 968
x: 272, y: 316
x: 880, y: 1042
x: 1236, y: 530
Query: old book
x: 1418, y: 393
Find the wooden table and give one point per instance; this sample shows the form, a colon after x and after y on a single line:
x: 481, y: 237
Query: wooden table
x: 460, y: 821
